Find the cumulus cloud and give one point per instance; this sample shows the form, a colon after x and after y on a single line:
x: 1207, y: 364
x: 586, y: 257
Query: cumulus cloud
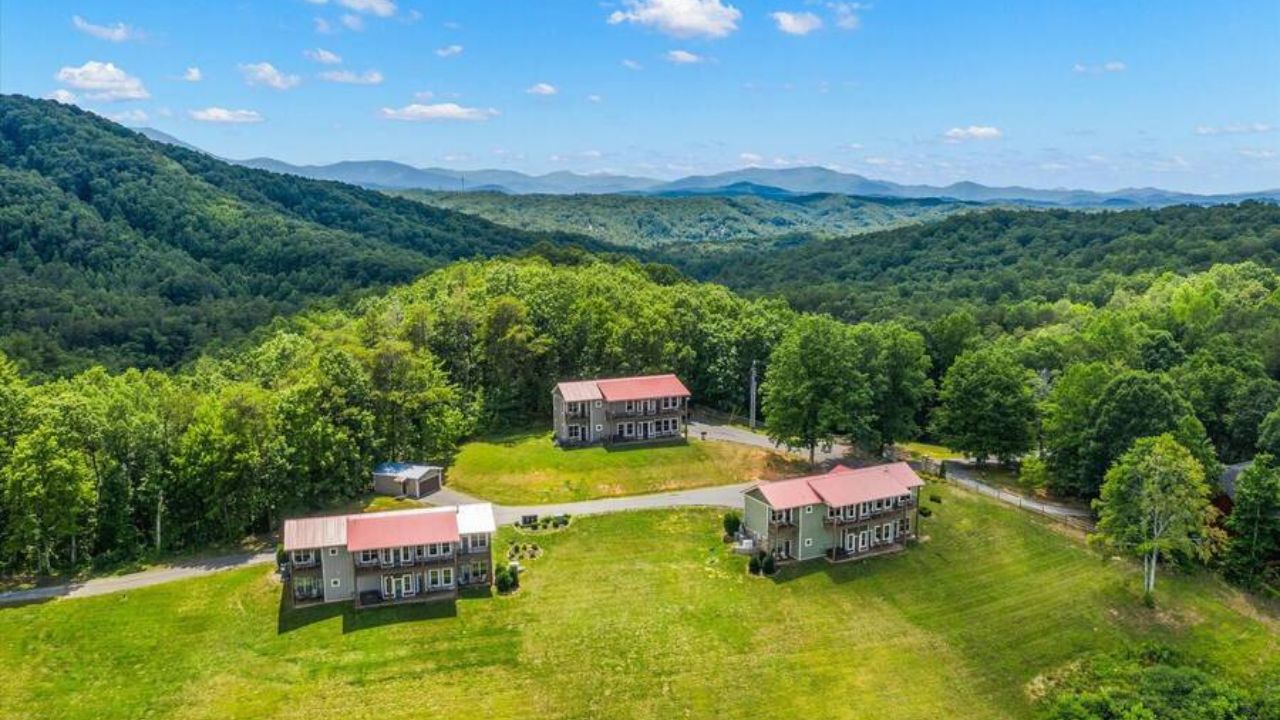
x: 417, y: 112
x: 353, y: 22
x: 973, y: 132
x: 683, y: 57
x: 193, y: 74
x: 116, y: 32
x: 449, y: 51
x: 264, y: 73
x: 322, y: 56
x: 1111, y: 66
x: 1257, y: 153
x: 322, y: 26
x: 632, y: 64
x: 594, y: 98
x: 542, y: 89
x: 66, y: 97
x: 801, y: 23
x: 750, y: 158
x: 847, y: 14
x: 103, y: 81
x: 1236, y: 129
x: 134, y: 116
x: 380, y: 8
x: 349, y: 77
x: 223, y: 115
x: 680, y: 18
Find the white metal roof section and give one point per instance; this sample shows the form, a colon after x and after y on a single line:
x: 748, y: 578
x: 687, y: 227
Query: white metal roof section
x: 476, y: 518
x: 317, y: 532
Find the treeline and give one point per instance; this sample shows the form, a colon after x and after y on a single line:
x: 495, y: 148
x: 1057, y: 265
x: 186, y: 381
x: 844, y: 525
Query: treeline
x: 119, y: 251
x: 993, y: 263
x: 1170, y: 383
x: 651, y: 221
x: 99, y: 467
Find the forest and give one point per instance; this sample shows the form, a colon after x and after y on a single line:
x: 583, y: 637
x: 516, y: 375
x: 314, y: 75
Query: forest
x: 119, y: 251
x: 989, y: 262
x: 649, y: 221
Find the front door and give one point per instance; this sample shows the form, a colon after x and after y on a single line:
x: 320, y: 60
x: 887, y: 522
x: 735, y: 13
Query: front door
x: 388, y: 586
x: 850, y: 541
x: 862, y: 541
x: 785, y: 548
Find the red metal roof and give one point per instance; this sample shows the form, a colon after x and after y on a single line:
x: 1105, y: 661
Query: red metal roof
x: 842, y: 486
x: 579, y: 391
x: 785, y: 494
x: 404, y: 527
x: 642, y: 388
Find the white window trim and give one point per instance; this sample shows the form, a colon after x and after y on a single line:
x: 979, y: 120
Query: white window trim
x: 335, y: 582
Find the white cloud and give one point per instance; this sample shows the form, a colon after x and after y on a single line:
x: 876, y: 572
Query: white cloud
x: 681, y: 18
x: 801, y: 23
x: 449, y: 51
x: 882, y: 162
x: 632, y: 64
x: 594, y: 98
x: 1257, y: 153
x: 542, y: 89
x: 1111, y: 66
x: 193, y: 74
x: 750, y: 158
x: 973, y: 132
x: 381, y: 8
x: 103, y: 81
x: 349, y: 77
x: 322, y: 26
x: 134, y: 116
x: 847, y: 14
x: 322, y: 56
x: 223, y: 115
x: 683, y: 57
x: 116, y: 32
x: 1237, y: 129
x: 66, y: 97
x: 423, y: 95
x: 353, y: 22
x: 264, y: 73
x: 440, y: 111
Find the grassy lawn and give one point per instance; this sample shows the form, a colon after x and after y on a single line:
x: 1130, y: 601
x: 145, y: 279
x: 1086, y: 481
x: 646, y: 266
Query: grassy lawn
x: 933, y: 452
x: 527, y: 468
x: 640, y: 615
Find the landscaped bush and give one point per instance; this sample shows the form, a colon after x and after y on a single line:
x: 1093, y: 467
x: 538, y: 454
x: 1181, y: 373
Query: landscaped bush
x: 767, y: 565
x: 280, y: 554
x: 732, y: 523
x: 925, y: 511
x: 753, y: 565
x: 507, y: 578
x: 935, y: 498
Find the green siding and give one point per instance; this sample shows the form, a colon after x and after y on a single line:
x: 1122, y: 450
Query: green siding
x: 755, y: 516
x: 812, y: 529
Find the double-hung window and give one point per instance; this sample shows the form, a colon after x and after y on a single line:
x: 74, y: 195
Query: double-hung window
x: 304, y: 557
x: 368, y: 557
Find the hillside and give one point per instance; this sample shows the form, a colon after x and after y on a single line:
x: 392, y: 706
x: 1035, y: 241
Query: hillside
x: 646, y: 221
x: 120, y: 250
x: 989, y: 260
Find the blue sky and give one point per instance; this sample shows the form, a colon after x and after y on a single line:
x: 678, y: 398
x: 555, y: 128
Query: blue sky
x: 1085, y: 94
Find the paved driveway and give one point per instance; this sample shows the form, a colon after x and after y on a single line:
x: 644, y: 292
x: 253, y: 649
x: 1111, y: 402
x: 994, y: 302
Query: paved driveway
x: 743, y: 436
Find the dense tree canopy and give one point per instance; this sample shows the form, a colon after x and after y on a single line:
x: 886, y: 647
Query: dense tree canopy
x: 119, y: 251
x: 987, y: 408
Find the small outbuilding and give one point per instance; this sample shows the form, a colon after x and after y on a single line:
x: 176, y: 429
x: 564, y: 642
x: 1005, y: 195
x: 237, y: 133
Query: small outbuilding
x: 407, y: 479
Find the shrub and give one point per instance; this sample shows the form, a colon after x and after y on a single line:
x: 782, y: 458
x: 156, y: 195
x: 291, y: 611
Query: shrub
x: 925, y: 512
x: 753, y: 565
x: 935, y: 498
x: 280, y: 554
x: 732, y: 523
x: 767, y: 565
x: 506, y: 578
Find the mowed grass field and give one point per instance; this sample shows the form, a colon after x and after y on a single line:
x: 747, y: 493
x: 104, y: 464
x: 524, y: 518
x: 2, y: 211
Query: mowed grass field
x: 528, y: 468
x: 640, y: 615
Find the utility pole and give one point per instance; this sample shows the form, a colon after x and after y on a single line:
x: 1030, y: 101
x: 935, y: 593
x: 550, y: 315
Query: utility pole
x: 753, y: 394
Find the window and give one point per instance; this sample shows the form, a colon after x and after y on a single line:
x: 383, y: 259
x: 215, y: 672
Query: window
x: 334, y: 582
x: 808, y: 542
x: 599, y: 428
x: 333, y: 552
x: 575, y: 432
x: 479, y: 571
x: 406, y: 555
x: 808, y: 509
x: 479, y: 542
x: 629, y: 406
x: 303, y: 557
x: 446, y: 575
x: 832, y: 512
x: 875, y: 534
x: 408, y: 587
x: 598, y: 403
x: 387, y: 556
x: 905, y: 525
x: 368, y: 556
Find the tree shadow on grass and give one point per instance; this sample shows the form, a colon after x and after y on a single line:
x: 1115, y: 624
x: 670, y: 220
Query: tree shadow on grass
x: 646, y: 444
x: 839, y: 572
